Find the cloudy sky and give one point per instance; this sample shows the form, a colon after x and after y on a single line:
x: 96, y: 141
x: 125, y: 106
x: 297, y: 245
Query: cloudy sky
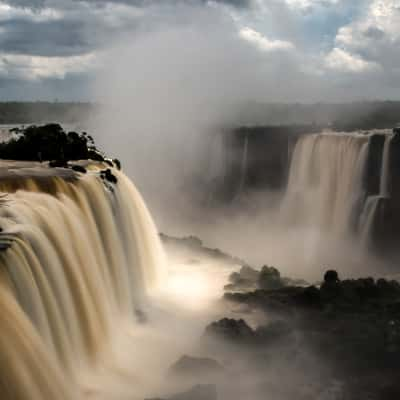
x: 58, y: 48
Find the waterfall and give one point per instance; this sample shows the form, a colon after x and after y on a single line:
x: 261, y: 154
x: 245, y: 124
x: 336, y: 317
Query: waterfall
x: 375, y: 203
x: 80, y: 255
x: 325, y: 184
x: 243, y: 165
x: 384, y: 187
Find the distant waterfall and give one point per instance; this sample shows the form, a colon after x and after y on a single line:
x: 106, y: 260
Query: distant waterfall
x: 325, y: 186
x: 327, y: 183
x: 81, y: 256
x: 243, y: 165
x: 375, y: 202
x: 384, y: 188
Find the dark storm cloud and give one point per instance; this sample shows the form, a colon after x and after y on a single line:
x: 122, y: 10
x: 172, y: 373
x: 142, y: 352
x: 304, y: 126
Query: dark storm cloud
x: 71, y: 31
x: 80, y: 27
x: 49, y: 38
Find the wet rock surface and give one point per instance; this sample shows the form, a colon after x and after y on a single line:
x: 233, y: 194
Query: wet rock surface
x: 267, y: 278
x: 188, y: 365
x: 352, y: 326
x: 195, y: 247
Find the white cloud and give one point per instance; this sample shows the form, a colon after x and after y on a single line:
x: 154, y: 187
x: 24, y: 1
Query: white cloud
x: 8, y: 12
x: 304, y: 4
x: 341, y: 60
x: 262, y: 42
x: 376, y: 34
x: 37, y: 67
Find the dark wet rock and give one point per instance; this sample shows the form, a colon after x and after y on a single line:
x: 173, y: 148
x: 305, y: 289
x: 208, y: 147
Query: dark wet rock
x: 244, y: 280
x: 195, y: 247
x: 79, y: 168
x: 235, y: 330
x: 117, y: 163
x: 270, y: 279
x: 58, y: 164
x: 249, y: 273
x: 353, y: 323
x: 351, y: 326
x: 195, y: 366
x: 95, y: 155
x: 108, y: 176
x: 274, y: 331
x: 198, y: 392
x: 361, y: 295
x: 281, y: 300
x: 331, y: 277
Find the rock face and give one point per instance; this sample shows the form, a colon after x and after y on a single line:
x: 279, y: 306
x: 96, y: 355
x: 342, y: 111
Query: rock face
x: 108, y: 176
x: 364, y: 312
x: 231, y: 329
x: 237, y: 331
x: 196, y: 248
x: 269, y: 278
x: 351, y: 326
x: 195, y: 366
x: 257, y: 158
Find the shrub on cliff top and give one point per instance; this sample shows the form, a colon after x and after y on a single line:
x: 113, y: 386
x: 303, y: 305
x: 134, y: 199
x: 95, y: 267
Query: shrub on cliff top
x: 49, y: 142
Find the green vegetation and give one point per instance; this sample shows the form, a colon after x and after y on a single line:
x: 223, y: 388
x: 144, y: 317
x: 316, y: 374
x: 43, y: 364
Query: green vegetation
x: 49, y: 142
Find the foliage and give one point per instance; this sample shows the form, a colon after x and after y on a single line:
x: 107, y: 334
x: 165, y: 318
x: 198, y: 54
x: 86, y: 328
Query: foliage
x: 49, y: 142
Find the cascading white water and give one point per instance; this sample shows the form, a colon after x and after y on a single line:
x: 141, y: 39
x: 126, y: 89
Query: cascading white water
x: 83, y: 255
x: 325, y: 181
x: 243, y: 165
x: 326, y: 188
x: 384, y: 187
x: 373, y: 202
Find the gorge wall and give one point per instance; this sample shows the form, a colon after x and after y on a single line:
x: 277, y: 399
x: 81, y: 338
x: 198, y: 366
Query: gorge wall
x: 340, y: 182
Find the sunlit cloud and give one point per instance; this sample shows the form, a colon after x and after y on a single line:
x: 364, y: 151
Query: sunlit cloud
x: 341, y: 60
x: 262, y: 42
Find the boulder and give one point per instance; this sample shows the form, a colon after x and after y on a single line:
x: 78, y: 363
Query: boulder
x: 270, y: 279
x: 231, y: 329
x: 117, y: 163
x: 188, y: 365
x: 58, y: 164
x: 79, y: 168
x: 108, y: 176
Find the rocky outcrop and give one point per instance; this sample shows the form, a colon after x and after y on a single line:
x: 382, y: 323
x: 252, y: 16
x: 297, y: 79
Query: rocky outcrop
x: 231, y: 329
x: 195, y: 367
x: 351, y: 326
x: 195, y: 247
x: 268, y: 278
